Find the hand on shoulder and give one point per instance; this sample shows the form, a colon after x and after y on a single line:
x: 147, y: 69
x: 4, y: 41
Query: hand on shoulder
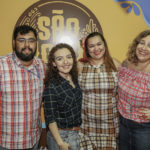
x: 79, y: 66
x: 117, y: 63
x: 125, y: 63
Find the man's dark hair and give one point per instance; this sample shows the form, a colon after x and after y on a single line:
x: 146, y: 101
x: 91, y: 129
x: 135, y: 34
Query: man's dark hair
x: 24, y: 29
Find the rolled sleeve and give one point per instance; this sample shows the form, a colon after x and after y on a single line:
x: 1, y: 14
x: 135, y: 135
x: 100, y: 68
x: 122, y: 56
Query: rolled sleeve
x: 50, y: 104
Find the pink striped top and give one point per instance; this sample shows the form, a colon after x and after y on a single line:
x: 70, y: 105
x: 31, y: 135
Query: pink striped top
x: 134, y: 93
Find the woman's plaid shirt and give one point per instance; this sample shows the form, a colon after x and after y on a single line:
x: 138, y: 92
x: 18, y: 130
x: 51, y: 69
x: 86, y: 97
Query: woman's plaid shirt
x: 20, y: 98
x: 62, y: 103
x: 134, y: 93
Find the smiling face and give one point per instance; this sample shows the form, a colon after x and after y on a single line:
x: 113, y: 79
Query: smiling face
x: 96, y: 48
x: 25, y: 46
x: 143, y: 49
x: 63, y: 60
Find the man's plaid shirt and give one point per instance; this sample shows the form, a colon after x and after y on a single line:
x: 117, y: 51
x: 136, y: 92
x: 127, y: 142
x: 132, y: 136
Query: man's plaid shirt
x: 20, y: 99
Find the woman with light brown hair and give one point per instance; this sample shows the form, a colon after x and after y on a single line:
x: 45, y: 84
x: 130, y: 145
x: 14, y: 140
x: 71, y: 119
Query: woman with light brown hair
x: 134, y: 95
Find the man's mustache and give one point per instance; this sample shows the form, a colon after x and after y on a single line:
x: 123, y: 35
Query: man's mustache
x: 26, y: 48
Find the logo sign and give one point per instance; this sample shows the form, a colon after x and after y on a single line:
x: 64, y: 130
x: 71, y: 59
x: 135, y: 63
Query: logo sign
x: 59, y: 21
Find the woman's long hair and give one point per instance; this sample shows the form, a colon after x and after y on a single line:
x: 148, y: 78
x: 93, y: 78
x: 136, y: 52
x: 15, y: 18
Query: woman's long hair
x: 110, y: 66
x: 52, y: 71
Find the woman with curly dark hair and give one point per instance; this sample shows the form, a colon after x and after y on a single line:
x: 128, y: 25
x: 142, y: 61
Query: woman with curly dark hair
x: 62, y: 99
x: 134, y: 95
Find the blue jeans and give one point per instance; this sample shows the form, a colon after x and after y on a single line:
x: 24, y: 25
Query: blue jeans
x: 133, y: 135
x: 70, y: 137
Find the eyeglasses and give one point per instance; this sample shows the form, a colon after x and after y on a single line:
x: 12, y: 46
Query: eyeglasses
x: 23, y: 40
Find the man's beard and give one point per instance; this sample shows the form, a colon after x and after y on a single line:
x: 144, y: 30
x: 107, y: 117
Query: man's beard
x: 23, y: 56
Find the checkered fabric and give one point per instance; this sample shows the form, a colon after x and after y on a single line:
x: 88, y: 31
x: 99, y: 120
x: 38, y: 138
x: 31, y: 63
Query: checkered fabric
x: 20, y: 99
x: 62, y: 103
x: 99, y: 129
x: 134, y: 93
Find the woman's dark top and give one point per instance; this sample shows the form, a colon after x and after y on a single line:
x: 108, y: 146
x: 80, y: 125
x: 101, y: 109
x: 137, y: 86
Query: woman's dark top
x: 62, y: 103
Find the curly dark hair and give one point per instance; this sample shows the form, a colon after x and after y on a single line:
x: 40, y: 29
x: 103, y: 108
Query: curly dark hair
x: 52, y: 72
x: 107, y: 58
x: 131, y: 55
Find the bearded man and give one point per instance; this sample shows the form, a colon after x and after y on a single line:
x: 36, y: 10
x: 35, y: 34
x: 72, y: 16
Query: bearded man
x: 21, y: 88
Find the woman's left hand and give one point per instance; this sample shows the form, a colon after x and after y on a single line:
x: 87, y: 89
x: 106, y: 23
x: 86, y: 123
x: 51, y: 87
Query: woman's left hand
x: 144, y: 113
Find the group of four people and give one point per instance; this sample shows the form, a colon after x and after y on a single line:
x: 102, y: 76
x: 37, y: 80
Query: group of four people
x: 98, y: 104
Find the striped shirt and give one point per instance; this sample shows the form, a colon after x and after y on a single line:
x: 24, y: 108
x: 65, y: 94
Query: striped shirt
x: 20, y: 99
x: 134, y: 93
